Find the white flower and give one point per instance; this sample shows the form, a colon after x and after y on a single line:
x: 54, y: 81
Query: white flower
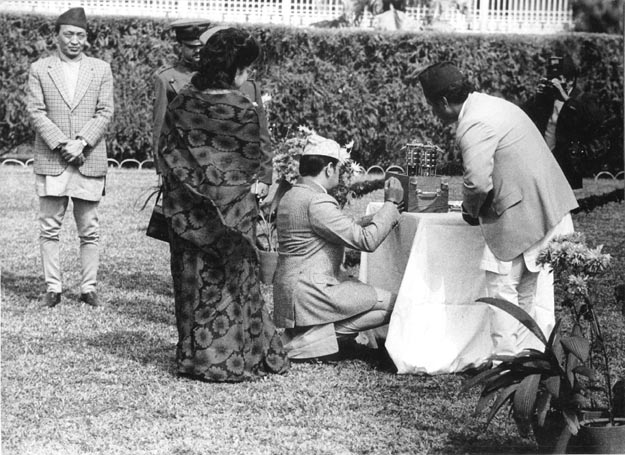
x: 305, y: 130
x: 265, y: 98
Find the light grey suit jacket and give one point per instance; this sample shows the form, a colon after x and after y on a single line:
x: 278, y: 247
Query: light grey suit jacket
x: 512, y: 182
x: 57, y: 118
x: 312, y: 234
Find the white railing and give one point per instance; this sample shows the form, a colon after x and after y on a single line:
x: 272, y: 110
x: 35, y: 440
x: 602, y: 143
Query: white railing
x: 505, y: 16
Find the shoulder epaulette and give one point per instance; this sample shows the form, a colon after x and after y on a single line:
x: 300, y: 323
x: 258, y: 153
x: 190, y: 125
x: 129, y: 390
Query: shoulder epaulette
x: 163, y: 68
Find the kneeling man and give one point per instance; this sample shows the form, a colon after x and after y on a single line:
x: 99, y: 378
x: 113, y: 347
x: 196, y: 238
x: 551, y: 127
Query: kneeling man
x: 313, y: 299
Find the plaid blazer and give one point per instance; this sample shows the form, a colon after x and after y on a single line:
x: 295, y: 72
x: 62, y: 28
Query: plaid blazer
x: 57, y: 119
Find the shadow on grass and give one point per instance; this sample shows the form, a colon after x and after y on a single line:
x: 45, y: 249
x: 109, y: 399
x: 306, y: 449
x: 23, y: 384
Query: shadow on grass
x: 137, y: 346
x: 138, y: 281
x: 479, y: 443
x: 146, y: 309
x: 22, y: 285
x: 349, y: 350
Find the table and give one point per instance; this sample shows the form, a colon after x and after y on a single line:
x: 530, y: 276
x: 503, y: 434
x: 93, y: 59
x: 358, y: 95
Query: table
x: 431, y: 260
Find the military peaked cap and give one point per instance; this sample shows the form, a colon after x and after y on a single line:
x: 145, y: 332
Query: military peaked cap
x: 189, y: 31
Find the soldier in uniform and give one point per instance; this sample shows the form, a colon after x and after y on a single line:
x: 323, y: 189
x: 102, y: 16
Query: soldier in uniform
x: 192, y: 35
x: 169, y: 79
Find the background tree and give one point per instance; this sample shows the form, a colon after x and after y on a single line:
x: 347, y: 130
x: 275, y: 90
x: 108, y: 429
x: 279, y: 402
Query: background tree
x: 598, y: 16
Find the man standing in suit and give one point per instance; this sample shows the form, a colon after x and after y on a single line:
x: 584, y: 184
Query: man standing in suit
x: 567, y: 118
x: 70, y: 104
x: 168, y: 80
x: 512, y: 187
x: 313, y: 299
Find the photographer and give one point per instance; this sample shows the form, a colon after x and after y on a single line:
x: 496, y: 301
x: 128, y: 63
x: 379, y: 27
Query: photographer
x: 567, y: 118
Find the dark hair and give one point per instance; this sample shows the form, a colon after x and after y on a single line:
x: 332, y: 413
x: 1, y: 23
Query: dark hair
x: 223, y: 54
x: 457, y: 92
x: 568, y: 67
x: 312, y: 165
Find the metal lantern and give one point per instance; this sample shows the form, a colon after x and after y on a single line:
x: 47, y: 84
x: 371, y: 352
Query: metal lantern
x: 422, y: 159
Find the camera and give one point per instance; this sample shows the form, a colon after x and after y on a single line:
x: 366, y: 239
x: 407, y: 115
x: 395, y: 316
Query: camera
x: 554, y: 71
x: 554, y: 67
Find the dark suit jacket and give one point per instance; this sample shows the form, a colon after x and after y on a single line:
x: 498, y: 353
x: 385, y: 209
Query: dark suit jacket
x: 576, y: 126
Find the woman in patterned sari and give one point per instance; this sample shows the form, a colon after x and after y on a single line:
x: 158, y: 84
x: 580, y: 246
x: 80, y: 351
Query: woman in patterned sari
x: 210, y: 147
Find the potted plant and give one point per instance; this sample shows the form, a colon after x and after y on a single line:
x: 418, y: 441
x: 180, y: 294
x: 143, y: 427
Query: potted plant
x: 550, y: 388
x: 542, y: 387
x: 576, y: 267
x: 267, y: 233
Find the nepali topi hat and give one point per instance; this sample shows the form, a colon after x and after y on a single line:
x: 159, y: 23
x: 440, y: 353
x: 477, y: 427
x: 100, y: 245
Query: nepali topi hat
x: 189, y: 31
x: 437, y: 78
x: 73, y: 16
x: 321, y: 146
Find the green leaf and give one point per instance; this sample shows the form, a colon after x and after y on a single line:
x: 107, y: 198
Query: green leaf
x: 484, y: 401
x: 577, y: 330
x: 590, y: 373
x: 578, y: 346
x: 518, y: 313
x: 557, y: 349
x: 571, y: 362
x: 502, y: 358
x: 504, y: 380
x: 552, y: 385
x: 555, y: 331
x: 525, y: 397
x: 572, y: 422
x: 482, y: 378
x: 504, y: 395
x: 543, y: 404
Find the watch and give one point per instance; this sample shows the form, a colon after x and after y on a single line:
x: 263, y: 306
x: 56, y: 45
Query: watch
x: 82, y: 139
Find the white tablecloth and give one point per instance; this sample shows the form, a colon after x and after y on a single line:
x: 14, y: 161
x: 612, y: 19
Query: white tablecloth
x: 431, y: 260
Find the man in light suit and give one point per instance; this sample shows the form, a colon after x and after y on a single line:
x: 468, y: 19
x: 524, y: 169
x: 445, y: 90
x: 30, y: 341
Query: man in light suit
x: 313, y: 299
x: 70, y: 104
x: 512, y: 187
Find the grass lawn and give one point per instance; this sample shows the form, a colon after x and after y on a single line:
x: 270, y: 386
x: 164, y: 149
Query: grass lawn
x: 78, y: 380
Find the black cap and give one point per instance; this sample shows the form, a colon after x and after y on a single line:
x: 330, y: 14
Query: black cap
x: 437, y: 78
x: 73, y: 16
x: 189, y: 31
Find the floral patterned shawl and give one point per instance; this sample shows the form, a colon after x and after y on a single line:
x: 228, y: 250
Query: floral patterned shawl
x: 210, y: 148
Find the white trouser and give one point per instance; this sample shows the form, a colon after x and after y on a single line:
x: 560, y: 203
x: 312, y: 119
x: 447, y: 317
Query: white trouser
x: 519, y: 287
x: 51, y: 212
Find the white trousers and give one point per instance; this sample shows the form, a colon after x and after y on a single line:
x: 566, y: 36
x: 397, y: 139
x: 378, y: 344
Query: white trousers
x: 519, y: 287
x: 51, y: 212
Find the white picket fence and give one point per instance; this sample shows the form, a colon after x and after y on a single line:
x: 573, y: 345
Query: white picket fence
x: 504, y: 16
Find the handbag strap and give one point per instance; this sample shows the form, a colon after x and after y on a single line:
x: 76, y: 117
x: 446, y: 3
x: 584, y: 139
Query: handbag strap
x: 158, y: 193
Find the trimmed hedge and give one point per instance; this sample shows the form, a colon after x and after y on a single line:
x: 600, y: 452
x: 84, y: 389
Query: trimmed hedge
x: 346, y: 84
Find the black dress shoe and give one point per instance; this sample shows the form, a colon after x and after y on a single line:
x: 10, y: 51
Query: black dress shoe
x: 90, y: 298
x: 51, y: 299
